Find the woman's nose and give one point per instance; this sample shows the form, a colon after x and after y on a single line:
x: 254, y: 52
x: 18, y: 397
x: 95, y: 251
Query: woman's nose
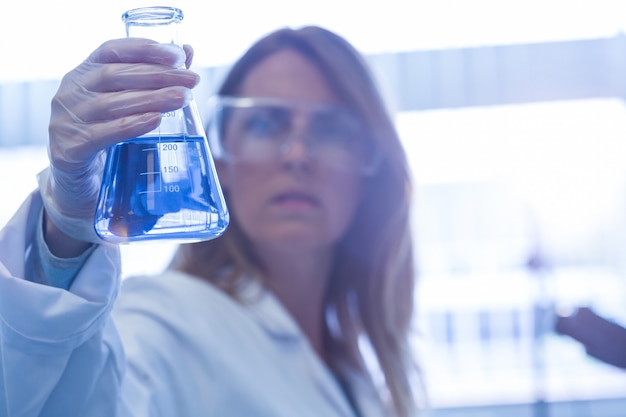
x: 295, y: 147
x: 296, y: 152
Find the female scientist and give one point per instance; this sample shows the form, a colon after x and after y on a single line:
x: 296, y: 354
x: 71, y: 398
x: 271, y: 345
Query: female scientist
x: 302, y: 308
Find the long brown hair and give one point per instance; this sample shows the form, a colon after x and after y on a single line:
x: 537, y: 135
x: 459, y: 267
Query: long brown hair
x: 370, y: 293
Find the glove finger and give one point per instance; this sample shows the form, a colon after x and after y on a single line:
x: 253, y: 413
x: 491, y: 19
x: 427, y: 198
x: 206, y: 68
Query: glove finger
x: 89, y: 139
x: 118, y: 77
x: 110, y: 106
x: 89, y: 78
x: 138, y: 50
x: 189, y: 55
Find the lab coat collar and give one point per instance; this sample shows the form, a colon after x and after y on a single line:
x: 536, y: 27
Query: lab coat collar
x: 271, y: 315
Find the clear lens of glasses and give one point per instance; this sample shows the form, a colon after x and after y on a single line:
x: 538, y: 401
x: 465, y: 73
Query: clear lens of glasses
x: 259, y: 130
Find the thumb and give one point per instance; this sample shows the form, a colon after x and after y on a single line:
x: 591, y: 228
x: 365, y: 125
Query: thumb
x: 188, y: 55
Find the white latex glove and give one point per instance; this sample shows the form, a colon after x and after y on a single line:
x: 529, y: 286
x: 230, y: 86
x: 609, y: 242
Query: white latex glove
x: 118, y: 93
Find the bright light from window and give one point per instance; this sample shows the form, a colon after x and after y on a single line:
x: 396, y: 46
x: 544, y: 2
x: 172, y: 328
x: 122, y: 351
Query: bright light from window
x: 49, y: 39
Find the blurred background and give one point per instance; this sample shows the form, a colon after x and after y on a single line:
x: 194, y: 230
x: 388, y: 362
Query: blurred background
x: 512, y: 114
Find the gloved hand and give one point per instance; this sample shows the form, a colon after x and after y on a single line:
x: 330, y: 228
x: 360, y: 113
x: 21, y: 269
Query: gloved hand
x: 118, y: 93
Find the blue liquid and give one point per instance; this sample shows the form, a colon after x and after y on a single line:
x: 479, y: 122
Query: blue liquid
x: 160, y: 188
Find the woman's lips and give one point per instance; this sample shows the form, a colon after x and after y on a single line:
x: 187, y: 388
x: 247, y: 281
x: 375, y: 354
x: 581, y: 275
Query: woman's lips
x: 296, y: 199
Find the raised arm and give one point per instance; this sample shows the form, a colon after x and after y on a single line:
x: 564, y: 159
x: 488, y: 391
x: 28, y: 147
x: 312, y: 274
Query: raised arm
x: 60, y: 353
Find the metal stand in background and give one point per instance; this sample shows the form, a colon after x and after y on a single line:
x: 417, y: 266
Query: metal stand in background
x: 543, y: 313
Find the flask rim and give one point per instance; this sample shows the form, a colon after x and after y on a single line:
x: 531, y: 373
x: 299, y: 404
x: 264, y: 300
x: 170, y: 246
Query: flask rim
x: 153, y: 15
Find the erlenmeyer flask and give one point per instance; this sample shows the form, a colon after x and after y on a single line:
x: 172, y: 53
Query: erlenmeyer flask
x: 162, y: 185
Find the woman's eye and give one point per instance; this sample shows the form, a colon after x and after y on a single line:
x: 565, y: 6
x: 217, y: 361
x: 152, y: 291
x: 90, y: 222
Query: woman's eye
x: 331, y: 128
x: 266, y: 124
x: 259, y: 126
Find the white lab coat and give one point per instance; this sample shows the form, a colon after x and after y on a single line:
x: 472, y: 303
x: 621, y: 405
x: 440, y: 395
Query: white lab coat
x: 172, y: 346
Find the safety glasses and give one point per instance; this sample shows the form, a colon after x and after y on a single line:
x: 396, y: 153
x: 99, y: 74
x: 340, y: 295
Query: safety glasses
x: 262, y: 130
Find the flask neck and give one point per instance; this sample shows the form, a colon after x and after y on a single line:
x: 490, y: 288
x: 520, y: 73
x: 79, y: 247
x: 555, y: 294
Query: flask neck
x: 160, y: 24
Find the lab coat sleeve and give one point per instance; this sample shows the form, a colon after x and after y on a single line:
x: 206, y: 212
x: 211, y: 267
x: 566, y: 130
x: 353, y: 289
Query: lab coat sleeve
x: 60, y: 354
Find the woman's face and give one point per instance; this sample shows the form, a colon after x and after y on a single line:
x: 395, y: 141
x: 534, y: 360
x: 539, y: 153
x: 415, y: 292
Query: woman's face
x: 292, y: 200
